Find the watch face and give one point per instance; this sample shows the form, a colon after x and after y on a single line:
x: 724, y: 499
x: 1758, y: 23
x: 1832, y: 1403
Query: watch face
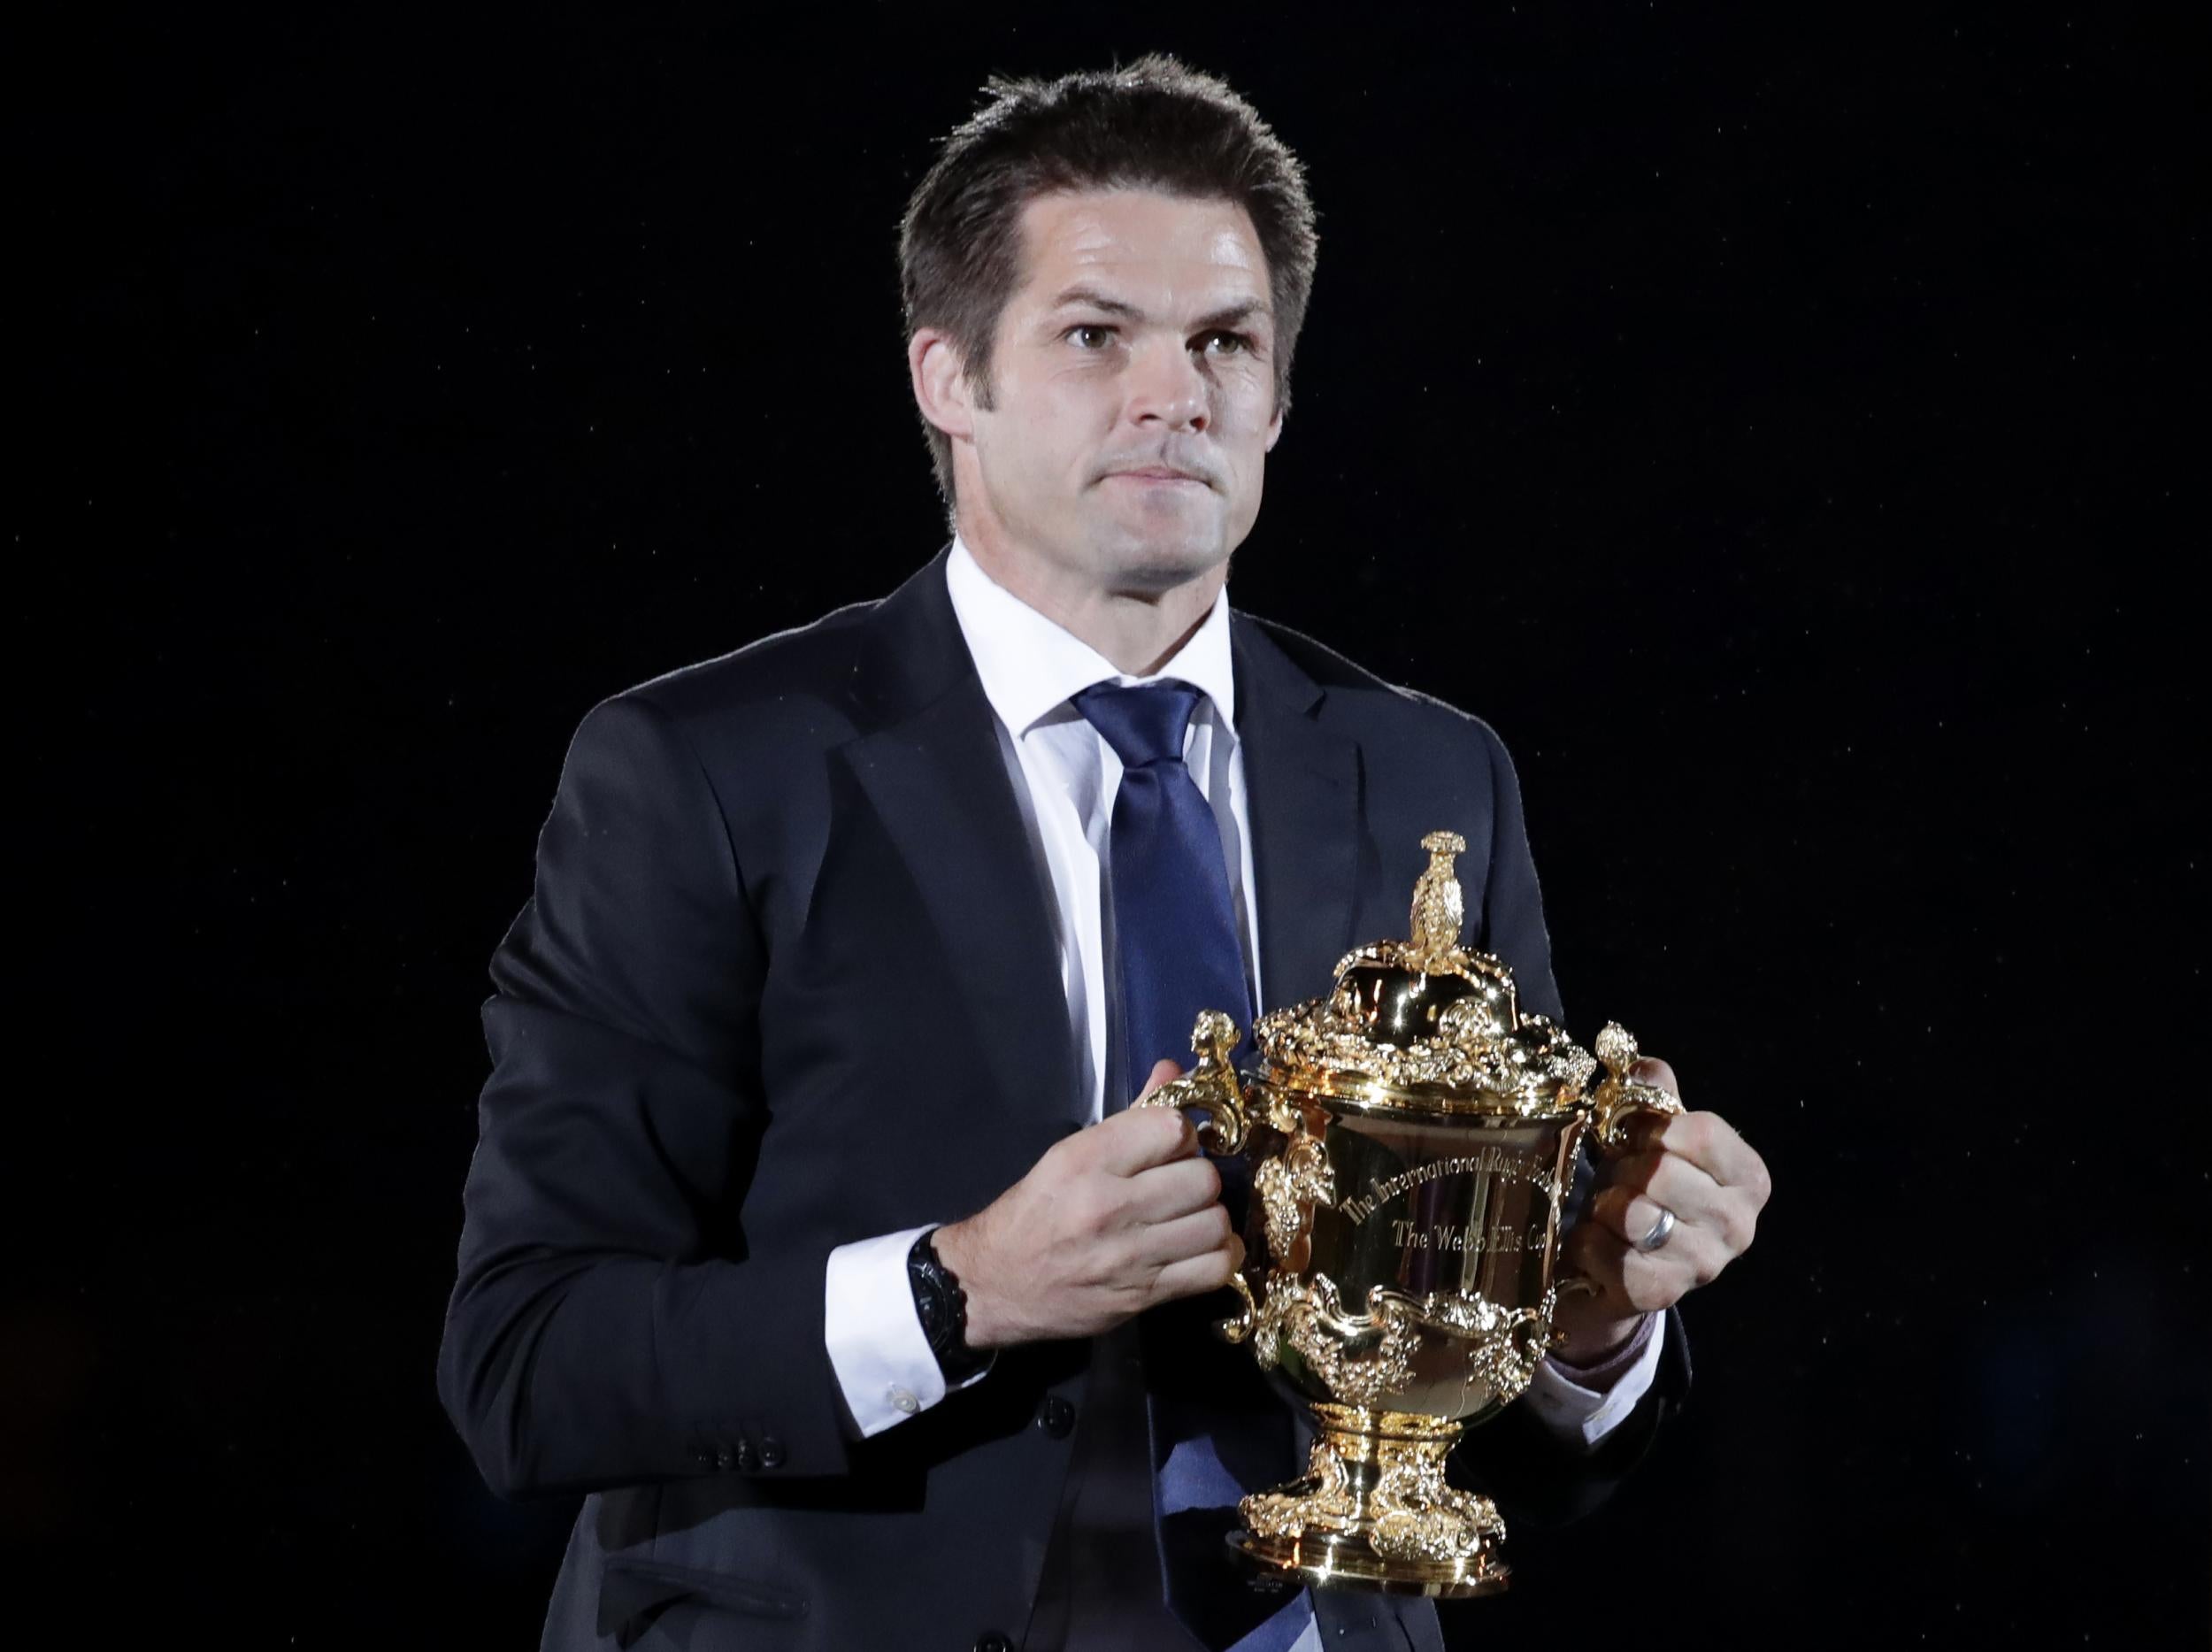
x: 939, y: 1304
x: 929, y: 1302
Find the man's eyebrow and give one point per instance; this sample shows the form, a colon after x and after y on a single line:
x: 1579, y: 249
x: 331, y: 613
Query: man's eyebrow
x: 1228, y: 315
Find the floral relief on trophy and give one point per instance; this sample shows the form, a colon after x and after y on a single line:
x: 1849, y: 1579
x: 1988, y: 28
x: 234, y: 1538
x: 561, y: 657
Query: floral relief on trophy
x: 1387, y: 1489
x: 1365, y: 1360
x: 1386, y: 1338
x: 1291, y: 1182
x: 1415, y: 1515
x: 1321, y: 1500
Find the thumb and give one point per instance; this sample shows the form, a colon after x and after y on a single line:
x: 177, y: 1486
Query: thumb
x: 1163, y: 1072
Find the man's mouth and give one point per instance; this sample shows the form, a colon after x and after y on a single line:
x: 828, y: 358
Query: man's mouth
x: 1157, y: 476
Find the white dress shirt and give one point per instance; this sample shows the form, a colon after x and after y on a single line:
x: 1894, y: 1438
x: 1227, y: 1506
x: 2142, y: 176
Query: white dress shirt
x: 1065, y: 777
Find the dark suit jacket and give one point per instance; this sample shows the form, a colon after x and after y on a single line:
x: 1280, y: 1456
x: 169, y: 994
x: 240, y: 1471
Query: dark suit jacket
x: 789, y: 980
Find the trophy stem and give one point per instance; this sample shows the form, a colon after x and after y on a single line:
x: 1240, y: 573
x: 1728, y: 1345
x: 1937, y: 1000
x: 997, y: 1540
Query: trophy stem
x: 1372, y: 1511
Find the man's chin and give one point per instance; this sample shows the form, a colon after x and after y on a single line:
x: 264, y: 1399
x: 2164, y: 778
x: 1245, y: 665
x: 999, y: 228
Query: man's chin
x: 1159, y: 563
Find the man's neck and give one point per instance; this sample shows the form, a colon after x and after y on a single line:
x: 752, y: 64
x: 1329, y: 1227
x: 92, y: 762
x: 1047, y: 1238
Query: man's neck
x: 1138, y: 631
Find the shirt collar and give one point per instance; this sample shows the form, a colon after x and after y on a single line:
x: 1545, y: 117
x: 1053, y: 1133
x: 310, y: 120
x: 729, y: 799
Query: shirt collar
x: 1030, y: 665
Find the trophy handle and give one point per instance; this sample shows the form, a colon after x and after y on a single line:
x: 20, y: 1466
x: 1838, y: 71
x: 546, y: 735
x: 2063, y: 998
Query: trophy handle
x: 1210, y: 1087
x: 1616, y: 1100
x: 1619, y: 1098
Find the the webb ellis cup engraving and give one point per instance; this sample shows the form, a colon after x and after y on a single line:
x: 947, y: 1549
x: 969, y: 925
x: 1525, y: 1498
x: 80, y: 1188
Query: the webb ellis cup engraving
x: 1412, y: 1137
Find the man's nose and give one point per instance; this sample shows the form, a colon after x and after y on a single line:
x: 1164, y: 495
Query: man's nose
x: 1166, y: 384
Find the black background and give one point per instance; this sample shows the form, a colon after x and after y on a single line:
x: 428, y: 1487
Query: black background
x: 1775, y: 425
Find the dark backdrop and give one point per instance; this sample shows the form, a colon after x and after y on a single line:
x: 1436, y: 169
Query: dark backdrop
x: 1773, y: 424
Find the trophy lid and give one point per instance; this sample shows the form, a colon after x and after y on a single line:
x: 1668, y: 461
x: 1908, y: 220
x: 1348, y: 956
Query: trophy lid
x: 1423, y: 1023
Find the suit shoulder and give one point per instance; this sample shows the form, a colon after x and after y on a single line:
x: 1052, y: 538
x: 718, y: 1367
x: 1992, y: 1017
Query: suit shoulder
x: 811, y: 658
x: 753, y: 706
x: 758, y: 699
x: 1375, y: 705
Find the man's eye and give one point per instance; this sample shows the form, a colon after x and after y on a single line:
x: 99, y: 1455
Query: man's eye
x: 1242, y: 344
x: 1087, y: 326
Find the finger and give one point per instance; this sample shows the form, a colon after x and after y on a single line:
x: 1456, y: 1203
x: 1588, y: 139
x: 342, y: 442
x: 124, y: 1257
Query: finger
x: 1710, y: 1142
x: 1713, y: 1225
x: 1704, y: 1242
x: 1627, y: 1213
x: 1633, y: 1282
x: 1705, y: 1237
x: 1165, y: 1072
x: 1207, y: 1273
x: 1165, y: 1191
x: 1670, y: 1179
x: 1161, y: 1243
x: 1651, y: 1070
x: 1138, y: 1138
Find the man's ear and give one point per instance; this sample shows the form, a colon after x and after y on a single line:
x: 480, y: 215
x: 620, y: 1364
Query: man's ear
x: 1275, y: 426
x: 940, y: 381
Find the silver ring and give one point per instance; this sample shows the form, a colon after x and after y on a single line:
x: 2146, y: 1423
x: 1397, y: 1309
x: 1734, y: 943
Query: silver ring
x: 1660, y: 1230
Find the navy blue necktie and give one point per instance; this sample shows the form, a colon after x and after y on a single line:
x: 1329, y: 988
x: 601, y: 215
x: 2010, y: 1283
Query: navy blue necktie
x: 1179, y: 952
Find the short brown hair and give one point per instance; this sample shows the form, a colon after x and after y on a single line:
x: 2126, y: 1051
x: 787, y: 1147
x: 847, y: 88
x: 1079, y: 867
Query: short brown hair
x: 1154, y: 125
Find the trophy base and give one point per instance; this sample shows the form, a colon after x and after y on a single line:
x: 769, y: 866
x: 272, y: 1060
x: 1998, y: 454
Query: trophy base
x: 1373, y: 1511
x: 1333, y: 1562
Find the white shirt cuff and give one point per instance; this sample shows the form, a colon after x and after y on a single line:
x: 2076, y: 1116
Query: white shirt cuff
x: 883, y: 1362
x: 1583, y: 1415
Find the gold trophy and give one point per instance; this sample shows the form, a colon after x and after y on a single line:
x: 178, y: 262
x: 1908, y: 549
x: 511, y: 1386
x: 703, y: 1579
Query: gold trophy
x: 1412, y: 1135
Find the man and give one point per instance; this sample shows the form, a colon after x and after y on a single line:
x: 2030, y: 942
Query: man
x: 809, y: 1231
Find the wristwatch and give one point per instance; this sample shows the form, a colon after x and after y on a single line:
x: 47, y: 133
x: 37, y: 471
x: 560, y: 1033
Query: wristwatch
x: 942, y: 1308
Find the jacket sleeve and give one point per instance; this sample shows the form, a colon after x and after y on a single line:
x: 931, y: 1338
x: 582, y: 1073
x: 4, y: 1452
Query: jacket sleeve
x: 609, y: 1325
x: 1537, y: 1477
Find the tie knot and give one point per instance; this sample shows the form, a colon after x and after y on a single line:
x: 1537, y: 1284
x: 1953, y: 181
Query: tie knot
x: 1143, y: 723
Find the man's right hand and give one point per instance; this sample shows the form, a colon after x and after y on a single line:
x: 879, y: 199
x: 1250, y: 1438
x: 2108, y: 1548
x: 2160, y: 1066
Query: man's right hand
x: 1112, y: 1220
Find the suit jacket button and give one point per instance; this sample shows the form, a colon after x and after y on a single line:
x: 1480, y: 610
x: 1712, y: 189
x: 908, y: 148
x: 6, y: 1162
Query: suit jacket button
x: 770, y: 1452
x: 991, y: 1641
x: 746, y: 1459
x: 1057, y: 1417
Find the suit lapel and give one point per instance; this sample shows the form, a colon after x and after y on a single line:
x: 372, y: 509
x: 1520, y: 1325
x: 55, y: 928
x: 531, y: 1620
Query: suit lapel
x: 1302, y: 783
x: 931, y: 767
x: 930, y: 763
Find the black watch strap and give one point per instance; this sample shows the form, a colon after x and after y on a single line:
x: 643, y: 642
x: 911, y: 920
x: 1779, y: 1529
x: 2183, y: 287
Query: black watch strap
x: 942, y: 1308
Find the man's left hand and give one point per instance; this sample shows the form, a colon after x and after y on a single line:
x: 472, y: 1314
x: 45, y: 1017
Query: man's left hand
x: 1692, y: 1163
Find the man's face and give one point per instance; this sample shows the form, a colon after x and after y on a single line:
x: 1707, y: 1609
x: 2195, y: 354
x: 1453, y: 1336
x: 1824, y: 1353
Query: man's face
x: 1140, y: 339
